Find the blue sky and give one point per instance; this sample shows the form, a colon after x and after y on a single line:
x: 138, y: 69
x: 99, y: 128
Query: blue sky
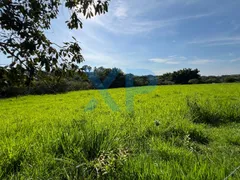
x: 159, y: 36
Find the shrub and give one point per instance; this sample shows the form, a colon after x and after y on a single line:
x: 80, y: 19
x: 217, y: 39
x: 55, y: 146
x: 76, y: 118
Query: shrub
x: 193, y: 81
x: 13, y: 91
x: 230, y: 79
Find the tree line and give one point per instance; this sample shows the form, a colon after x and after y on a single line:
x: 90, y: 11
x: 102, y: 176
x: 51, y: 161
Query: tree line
x: 104, y: 78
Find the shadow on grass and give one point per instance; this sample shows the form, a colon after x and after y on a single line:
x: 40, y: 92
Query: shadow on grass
x: 12, y: 164
x: 192, y: 135
x: 213, y: 113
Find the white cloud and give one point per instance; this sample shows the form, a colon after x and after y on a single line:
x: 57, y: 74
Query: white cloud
x: 182, y: 57
x: 134, y: 26
x: 99, y: 57
x: 119, y: 9
x: 134, y: 17
x: 173, y: 62
x: 121, y: 12
x: 235, y: 60
x: 169, y: 60
x: 158, y: 60
x: 217, y: 41
x: 201, y: 61
x: 181, y: 60
x: 173, y: 56
x: 223, y: 43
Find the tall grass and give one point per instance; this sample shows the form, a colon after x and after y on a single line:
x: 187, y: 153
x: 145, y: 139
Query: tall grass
x: 165, y: 137
x: 213, y: 112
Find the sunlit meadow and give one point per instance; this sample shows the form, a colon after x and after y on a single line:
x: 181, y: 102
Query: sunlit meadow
x: 166, y: 132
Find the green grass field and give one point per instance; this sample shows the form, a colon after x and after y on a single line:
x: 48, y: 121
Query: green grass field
x: 170, y: 132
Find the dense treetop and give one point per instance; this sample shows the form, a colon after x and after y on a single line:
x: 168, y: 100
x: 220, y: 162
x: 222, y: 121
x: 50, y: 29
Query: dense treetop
x: 22, y: 38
